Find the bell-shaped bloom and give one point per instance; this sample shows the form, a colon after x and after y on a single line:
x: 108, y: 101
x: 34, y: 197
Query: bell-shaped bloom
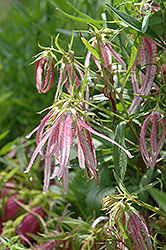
x: 30, y: 224
x: 146, y: 54
x: 70, y: 74
x: 106, y: 51
x: 156, y: 141
x: 124, y: 217
x: 44, y: 74
x: 58, y: 131
x: 137, y: 231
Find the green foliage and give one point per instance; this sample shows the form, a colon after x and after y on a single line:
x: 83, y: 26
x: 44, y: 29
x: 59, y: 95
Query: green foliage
x: 11, y: 244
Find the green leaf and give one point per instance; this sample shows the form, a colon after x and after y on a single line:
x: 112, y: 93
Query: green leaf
x: 8, y: 147
x: 2, y: 135
x: 82, y: 224
x: 83, y: 20
x: 61, y: 4
x: 131, y: 62
x: 145, y: 23
x: 120, y: 157
x: 90, y: 48
x: 9, y: 175
x: 135, y: 24
x: 156, y: 23
x: 125, y: 235
x: 159, y: 197
x: 145, y: 183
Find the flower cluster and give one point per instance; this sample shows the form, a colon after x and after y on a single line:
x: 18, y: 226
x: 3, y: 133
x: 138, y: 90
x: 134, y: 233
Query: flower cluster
x: 67, y: 124
x: 129, y: 224
x: 57, y: 132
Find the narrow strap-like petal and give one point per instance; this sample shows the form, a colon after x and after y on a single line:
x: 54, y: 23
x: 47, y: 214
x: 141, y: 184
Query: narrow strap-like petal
x: 143, y: 146
x: 116, y: 56
x: 40, y: 145
x: 103, y: 136
x: 106, y: 55
x: 66, y: 144
x: 153, y: 140
x: 85, y: 145
x: 47, y: 173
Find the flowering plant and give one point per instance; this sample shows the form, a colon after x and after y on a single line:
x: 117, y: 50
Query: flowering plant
x: 105, y: 116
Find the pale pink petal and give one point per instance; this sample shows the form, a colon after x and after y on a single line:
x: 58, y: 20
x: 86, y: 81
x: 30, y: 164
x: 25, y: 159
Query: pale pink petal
x: 116, y: 56
x: 81, y: 158
x: 143, y: 146
x: 153, y: 140
x: 103, y: 136
x: 66, y: 143
x: 47, y: 173
x: 139, y: 233
x: 86, y: 147
x: 31, y: 133
x: 41, y: 144
x: 106, y: 55
x: 151, y: 71
x: 162, y: 136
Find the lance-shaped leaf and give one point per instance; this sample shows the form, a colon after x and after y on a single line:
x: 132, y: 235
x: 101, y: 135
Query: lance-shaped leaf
x: 135, y: 24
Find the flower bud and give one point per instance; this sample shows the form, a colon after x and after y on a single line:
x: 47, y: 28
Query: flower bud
x: 44, y: 66
x: 155, y: 146
x: 30, y: 224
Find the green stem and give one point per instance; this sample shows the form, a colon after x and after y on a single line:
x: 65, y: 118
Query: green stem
x: 153, y: 209
x: 122, y: 102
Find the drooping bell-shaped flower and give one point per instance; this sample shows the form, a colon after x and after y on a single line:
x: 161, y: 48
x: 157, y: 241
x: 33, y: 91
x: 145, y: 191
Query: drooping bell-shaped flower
x: 44, y: 74
x: 106, y: 52
x: 138, y: 232
x: 57, y: 132
x: 128, y: 222
x: 147, y: 53
x: 156, y: 143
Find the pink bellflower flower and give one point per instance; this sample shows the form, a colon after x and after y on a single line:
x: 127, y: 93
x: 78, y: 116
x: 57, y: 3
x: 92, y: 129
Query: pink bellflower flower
x: 155, y: 146
x: 30, y: 225
x: 107, y: 53
x: 137, y: 231
x: 57, y: 132
x: 126, y: 218
x: 147, y: 53
x: 44, y: 74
